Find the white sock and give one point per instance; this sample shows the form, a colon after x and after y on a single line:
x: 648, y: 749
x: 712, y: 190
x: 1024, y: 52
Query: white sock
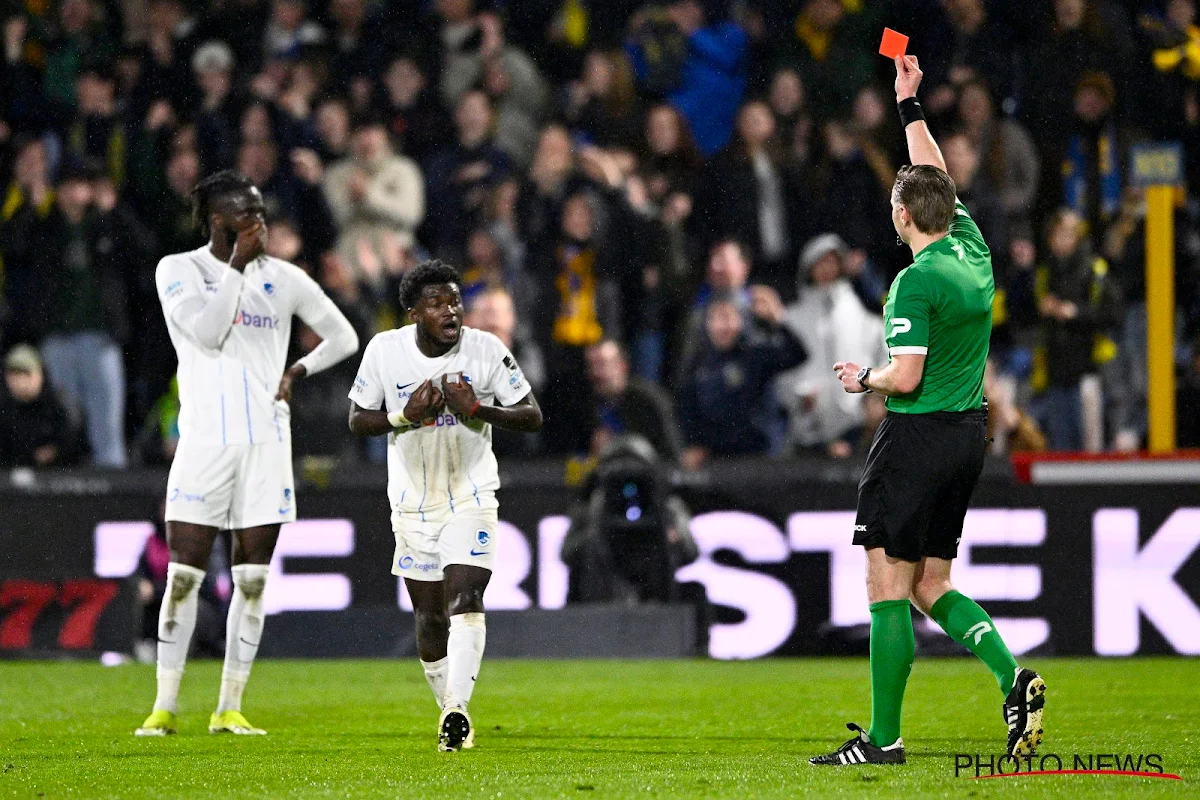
x: 464, y: 650
x: 435, y: 675
x: 243, y: 632
x: 176, y: 622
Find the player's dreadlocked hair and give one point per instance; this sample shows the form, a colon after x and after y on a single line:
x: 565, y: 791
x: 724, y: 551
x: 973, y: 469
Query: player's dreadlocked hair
x: 427, y: 273
x: 220, y: 183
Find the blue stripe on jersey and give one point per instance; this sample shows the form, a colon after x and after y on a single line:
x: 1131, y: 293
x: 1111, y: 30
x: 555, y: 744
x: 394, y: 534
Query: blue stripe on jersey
x: 451, y: 495
x: 476, y: 488
x: 424, y: 486
x: 249, y: 427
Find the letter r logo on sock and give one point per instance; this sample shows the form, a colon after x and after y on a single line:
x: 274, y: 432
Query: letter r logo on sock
x: 979, y: 629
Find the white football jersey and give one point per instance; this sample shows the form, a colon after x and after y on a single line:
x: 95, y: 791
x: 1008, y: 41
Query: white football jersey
x: 449, y: 464
x: 227, y: 395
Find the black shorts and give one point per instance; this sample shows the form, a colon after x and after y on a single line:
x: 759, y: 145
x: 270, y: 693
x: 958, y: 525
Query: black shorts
x: 918, y: 482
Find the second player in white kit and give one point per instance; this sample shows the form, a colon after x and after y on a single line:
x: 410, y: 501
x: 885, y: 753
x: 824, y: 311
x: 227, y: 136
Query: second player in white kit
x: 436, y: 388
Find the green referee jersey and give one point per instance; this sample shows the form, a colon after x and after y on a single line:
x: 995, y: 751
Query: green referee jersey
x: 941, y: 307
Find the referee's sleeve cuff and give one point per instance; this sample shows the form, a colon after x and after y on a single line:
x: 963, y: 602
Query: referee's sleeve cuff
x: 908, y: 351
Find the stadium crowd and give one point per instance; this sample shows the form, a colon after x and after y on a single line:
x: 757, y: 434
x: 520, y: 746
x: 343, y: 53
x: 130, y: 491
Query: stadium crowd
x: 675, y: 214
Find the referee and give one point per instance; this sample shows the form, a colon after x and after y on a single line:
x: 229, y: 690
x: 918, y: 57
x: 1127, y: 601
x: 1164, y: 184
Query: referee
x: 928, y: 453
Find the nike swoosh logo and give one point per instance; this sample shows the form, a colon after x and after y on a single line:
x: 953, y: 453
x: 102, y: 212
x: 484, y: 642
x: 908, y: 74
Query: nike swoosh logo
x: 479, y: 552
x: 243, y: 641
x: 405, y: 386
x: 163, y: 641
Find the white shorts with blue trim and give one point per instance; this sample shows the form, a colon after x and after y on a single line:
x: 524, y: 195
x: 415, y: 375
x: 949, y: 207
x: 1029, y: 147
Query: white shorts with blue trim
x: 232, y: 487
x: 425, y: 546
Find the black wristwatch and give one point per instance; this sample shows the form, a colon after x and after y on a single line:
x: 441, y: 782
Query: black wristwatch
x: 863, y: 374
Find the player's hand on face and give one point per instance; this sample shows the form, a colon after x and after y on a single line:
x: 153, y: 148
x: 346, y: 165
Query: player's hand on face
x: 847, y: 373
x: 460, y: 397
x: 908, y: 77
x: 250, y: 244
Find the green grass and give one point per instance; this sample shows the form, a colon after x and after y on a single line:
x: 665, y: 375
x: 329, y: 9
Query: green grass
x: 579, y: 729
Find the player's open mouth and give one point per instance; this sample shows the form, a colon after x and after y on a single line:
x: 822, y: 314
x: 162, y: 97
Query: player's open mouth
x: 450, y: 328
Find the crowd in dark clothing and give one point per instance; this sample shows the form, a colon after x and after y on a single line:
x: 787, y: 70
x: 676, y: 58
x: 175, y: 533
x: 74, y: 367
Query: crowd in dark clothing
x: 695, y: 193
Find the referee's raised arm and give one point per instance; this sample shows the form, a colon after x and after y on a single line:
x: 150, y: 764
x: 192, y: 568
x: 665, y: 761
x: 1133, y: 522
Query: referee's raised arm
x: 922, y: 149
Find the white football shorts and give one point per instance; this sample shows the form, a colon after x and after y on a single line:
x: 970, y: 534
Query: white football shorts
x: 232, y: 487
x: 424, y: 548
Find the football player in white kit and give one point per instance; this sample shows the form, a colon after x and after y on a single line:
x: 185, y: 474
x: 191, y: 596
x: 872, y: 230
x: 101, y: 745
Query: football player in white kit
x: 436, y: 389
x: 229, y: 312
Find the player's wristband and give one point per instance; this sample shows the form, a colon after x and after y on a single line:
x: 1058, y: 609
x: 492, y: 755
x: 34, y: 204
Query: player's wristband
x: 910, y: 111
x: 474, y: 408
x: 397, y: 420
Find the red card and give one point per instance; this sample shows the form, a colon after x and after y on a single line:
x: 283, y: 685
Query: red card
x: 894, y: 43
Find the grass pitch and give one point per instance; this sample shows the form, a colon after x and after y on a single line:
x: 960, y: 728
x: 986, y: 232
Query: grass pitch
x: 581, y: 730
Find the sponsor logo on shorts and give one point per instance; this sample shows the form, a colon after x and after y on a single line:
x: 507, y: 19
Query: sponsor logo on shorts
x: 408, y: 562
x: 483, y: 537
x: 177, y: 495
x: 475, y: 552
x: 286, y: 505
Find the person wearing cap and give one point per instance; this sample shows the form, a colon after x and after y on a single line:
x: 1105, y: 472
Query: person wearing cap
x: 831, y: 321
x: 67, y: 290
x: 36, y: 428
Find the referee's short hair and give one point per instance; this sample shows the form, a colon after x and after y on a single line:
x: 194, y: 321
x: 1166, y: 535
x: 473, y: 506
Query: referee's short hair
x: 929, y: 195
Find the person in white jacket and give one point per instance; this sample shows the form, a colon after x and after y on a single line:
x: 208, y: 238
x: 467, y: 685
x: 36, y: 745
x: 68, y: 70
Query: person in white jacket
x: 833, y: 324
x: 377, y: 198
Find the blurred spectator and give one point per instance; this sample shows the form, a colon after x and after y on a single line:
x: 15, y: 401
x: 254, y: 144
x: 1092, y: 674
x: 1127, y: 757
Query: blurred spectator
x: 977, y: 192
x: 36, y: 429
x: 1174, y: 40
x: 30, y: 183
x: 331, y: 120
x: 789, y: 102
x: 414, y: 116
x: 67, y: 287
x: 628, y: 405
x: 828, y: 50
x: 96, y: 131
x: 288, y: 30
x: 494, y: 311
x: 707, y: 83
x: 78, y: 37
x: 1080, y: 306
x: 164, y: 56
x: 832, y: 324
x: 601, y: 107
x: 1009, y: 158
x: 476, y: 55
x: 724, y: 400
x: 372, y: 193
x: 216, y: 120
x: 553, y: 176
x: 460, y: 176
x: 357, y: 42
x: 726, y: 278
x: 20, y: 93
x: 972, y: 45
x: 671, y: 162
x: 1093, y: 158
x: 852, y: 196
x: 750, y: 192
x: 1077, y: 41
x: 581, y: 306
x: 488, y: 267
